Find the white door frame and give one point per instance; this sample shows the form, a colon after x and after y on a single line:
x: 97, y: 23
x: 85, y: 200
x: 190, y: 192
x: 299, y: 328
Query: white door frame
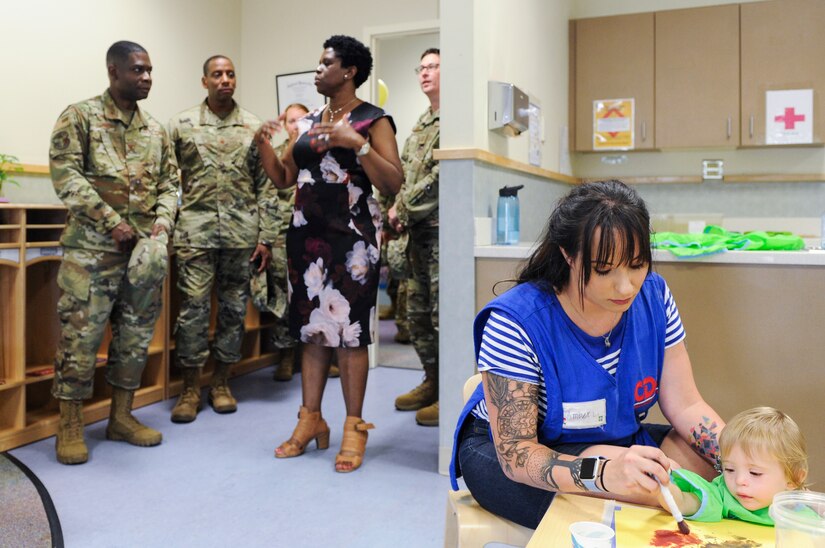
x: 371, y: 36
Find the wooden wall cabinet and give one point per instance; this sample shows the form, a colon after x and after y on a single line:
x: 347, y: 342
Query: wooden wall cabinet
x: 30, y: 256
x: 697, y: 77
x: 782, y: 48
x: 614, y: 59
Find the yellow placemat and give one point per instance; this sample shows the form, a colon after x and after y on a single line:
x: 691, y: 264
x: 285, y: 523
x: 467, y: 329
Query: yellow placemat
x: 637, y: 527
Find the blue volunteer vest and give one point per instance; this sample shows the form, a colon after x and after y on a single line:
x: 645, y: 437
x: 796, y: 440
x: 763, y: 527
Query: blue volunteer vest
x: 572, y: 375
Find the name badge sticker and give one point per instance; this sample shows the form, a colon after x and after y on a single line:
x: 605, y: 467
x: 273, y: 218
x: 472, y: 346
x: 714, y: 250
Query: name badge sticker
x: 584, y: 414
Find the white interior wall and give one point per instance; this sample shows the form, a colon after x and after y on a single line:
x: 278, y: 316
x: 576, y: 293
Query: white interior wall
x: 523, y: 42
x: 396, y: 57
x: 54, y: 52
x: 288, y: 36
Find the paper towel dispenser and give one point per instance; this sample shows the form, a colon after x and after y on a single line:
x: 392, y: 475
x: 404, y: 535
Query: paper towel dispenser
x: 508, y: 108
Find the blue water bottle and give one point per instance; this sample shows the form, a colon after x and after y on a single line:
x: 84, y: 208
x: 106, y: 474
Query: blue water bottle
x: 507, y: 223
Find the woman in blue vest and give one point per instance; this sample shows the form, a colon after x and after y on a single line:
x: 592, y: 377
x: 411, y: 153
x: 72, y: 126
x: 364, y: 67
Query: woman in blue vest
x: 572, y: 358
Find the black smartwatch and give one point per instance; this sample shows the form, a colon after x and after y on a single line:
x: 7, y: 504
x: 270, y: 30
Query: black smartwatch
x: 265, y: 243
x: 590, y: 473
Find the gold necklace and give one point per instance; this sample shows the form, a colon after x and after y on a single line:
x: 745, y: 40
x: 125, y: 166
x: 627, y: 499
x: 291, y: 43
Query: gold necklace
x: 590, y: 325
x: 333, y: 112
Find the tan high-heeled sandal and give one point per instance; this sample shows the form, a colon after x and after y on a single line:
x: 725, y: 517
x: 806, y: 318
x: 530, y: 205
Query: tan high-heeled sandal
x: 353, y: 444
x: 310, y: 426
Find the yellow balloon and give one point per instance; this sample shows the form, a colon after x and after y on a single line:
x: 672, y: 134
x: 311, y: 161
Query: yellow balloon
x: 383, y: 93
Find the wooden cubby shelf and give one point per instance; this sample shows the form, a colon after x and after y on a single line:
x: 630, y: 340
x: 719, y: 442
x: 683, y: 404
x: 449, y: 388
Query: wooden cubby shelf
x: 30, y: 256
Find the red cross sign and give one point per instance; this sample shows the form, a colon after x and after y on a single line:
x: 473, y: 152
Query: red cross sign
x: 790, y: 118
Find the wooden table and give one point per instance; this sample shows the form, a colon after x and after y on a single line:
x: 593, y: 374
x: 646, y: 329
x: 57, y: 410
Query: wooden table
x: 637, y: 525
x: 564, y: 510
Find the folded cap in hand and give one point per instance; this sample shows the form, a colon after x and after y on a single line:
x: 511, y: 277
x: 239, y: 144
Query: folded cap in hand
x: 148, y: 263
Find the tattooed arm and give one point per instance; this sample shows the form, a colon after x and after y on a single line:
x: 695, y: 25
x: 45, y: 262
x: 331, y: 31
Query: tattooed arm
x: 693, y: 419
x: 513, y: 410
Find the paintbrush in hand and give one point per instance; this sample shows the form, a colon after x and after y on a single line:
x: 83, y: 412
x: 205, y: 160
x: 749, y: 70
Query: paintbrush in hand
x: 674, y: 509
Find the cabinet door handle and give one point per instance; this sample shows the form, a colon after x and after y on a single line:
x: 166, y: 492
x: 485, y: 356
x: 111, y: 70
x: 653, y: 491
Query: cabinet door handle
x: 729, y: 127
x: 750, y: 127
x: 644, y: 131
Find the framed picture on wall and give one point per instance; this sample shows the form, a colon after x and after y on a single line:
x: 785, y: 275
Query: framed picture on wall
x: 298, y: 87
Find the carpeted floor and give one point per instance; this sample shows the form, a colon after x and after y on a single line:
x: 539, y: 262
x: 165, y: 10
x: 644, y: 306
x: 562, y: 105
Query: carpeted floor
x: 28, y: 517
x: 215, y: 482
x: 392, y: 354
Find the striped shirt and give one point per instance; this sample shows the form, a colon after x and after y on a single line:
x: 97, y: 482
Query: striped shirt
x: 506, y: 350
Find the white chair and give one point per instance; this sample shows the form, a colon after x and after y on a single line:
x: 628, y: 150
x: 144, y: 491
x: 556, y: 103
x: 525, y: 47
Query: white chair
x: 468, y: 525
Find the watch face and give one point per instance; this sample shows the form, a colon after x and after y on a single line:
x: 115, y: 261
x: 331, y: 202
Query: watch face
x: 588, y: 471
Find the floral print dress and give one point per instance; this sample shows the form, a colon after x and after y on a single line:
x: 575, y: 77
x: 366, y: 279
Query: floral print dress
x: 333, y: 241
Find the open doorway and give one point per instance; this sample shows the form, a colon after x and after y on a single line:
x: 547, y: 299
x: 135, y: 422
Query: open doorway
x: 397, y: 52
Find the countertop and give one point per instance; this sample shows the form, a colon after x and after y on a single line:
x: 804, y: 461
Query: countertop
x: 807, y: 257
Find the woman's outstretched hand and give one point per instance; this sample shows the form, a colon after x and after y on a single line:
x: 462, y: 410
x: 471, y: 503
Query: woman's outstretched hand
x: 267, y: 130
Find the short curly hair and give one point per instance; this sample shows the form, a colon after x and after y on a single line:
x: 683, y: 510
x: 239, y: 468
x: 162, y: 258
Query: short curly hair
x: 351, y: 52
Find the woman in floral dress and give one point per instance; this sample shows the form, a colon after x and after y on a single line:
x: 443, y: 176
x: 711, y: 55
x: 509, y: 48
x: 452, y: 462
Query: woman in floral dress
x: 343, y: 150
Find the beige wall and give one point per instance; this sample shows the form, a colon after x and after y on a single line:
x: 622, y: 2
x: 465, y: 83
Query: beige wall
x: 53, y: 54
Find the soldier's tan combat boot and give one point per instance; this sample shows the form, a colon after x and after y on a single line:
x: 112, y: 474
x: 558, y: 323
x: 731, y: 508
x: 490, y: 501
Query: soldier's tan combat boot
x: 427, y: 416
x: 334, y: 371
x: 286, y: 367
x: 402, y: 335
x: 387, y: 312
x: 422, y: 395
x: 220, y: 397
x: 189, y: 402
x: 71, y: 448
x: 124, y: 427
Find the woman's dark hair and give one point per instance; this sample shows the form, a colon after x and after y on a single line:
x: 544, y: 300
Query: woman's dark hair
x: 611, y: 206
x: 351, y: 52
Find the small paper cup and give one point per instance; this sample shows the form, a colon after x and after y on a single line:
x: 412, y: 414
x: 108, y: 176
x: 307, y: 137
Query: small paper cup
x: 589, y: 534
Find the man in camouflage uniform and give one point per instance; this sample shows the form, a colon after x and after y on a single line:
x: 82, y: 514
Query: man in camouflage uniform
x: 394, y: 257
x: 227, y: 221
x: 113, y: 167
x: 416, y: 212
x: 281, y: 339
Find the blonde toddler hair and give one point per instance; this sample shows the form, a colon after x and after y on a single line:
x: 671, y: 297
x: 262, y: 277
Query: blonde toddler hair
x: 765, y: 429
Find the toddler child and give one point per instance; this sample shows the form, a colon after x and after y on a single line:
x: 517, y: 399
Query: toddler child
x: 763, y: 453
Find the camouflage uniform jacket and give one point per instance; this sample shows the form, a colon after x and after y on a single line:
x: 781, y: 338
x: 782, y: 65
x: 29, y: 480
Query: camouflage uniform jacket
x: 286, y: 199
x: 417, y: 203
x: 109, y: 166
x: 227, y: 200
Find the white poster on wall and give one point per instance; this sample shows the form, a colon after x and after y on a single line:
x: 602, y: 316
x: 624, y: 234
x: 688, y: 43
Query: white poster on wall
x: 789, y: 115
x: 535, y: 134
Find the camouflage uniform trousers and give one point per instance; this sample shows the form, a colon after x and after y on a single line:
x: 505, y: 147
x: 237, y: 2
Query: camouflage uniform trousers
x: 397, y: 292
x: 198, y: 270
x: 94, y: 290
x: 422, y: 296
x: 281, y: 338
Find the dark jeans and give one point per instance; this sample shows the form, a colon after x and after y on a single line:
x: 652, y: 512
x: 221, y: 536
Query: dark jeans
x: 495, y: 492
